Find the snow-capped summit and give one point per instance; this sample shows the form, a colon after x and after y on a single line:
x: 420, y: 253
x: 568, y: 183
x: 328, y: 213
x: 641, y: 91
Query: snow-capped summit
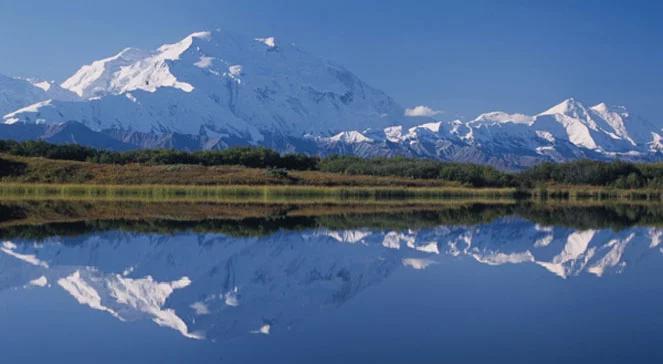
x: 567, y: 131
x: 132, y: 69
x: 350, y: 137
x: 598, y: 127
x: 99, y: 77
x: 220, y: 83
x: 626, y: 125
x: 570, y: 107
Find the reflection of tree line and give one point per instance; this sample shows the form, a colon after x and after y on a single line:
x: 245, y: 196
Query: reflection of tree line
x: 616, y: 217
x: 39, y: 220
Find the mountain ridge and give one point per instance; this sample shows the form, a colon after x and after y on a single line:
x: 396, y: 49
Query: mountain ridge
x: 217, y: 89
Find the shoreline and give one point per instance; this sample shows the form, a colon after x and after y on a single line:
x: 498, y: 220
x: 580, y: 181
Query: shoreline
x: 251, y: 193
x: 267, y: 193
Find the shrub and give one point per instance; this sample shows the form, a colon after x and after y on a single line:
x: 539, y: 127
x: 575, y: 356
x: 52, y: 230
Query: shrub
x: 11, y: 168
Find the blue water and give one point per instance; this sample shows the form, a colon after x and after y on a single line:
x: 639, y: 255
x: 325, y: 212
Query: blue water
x: 508, y: 290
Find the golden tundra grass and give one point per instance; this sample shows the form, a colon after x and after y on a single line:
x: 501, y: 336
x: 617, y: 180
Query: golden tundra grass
x: 594, y: 193
x: 249, y: 194
x: 46, y: 178
x: 41, y: 170
x: 69, y: 180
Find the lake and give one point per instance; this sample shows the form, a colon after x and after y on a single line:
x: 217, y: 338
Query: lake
x: 464, y: 282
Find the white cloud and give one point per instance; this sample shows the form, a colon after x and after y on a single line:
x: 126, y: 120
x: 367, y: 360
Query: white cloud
x: 421, y: 110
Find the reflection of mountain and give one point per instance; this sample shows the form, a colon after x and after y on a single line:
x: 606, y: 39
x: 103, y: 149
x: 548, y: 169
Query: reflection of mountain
x: 563, y: 251
x: 214, y: 286
x: 202, y: 285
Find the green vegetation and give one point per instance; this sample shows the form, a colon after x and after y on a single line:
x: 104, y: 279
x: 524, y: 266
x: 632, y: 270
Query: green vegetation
x: 40, y: 162
x: 616, y: 174
x: 465, y: 174
x: 277, y: 165
x: 11, y: 168
x: 48, y: 171
x: 244, y: 156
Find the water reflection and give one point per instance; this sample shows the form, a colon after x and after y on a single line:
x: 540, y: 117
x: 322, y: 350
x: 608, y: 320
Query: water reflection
x: 215, y: 279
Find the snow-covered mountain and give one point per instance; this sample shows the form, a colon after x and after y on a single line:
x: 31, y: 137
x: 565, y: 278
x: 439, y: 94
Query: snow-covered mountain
x: 566, y: 131
x: 218, y: 89
x: 16, y: 93
x: 217, y: 84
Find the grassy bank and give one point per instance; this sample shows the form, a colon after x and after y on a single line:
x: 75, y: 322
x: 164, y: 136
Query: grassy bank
x: 593, y: 193
x: 42, y: 178
x: 19, y: 161
x: 49, y: 171
x: 322, y: 195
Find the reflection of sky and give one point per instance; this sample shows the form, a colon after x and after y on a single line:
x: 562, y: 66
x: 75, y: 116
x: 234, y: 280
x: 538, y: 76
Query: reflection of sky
x: 215, y: 287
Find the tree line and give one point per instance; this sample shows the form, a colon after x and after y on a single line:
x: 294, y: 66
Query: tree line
x: 466, y: 174
x: 617, y: 174
x: 241, y: 156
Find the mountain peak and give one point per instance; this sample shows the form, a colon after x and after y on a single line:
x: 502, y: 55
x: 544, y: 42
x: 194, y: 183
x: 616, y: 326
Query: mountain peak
x: 175, y: 50
x: 136, y: 69
x: 223, y: 83
x: 96, y: 78
x: 570, y: 107
x: 600, y: 107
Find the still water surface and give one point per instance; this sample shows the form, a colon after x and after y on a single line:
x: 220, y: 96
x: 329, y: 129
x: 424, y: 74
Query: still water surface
x: 480, y: 284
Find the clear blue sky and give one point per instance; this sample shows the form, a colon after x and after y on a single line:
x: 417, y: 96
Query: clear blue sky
x: 464, y: 57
